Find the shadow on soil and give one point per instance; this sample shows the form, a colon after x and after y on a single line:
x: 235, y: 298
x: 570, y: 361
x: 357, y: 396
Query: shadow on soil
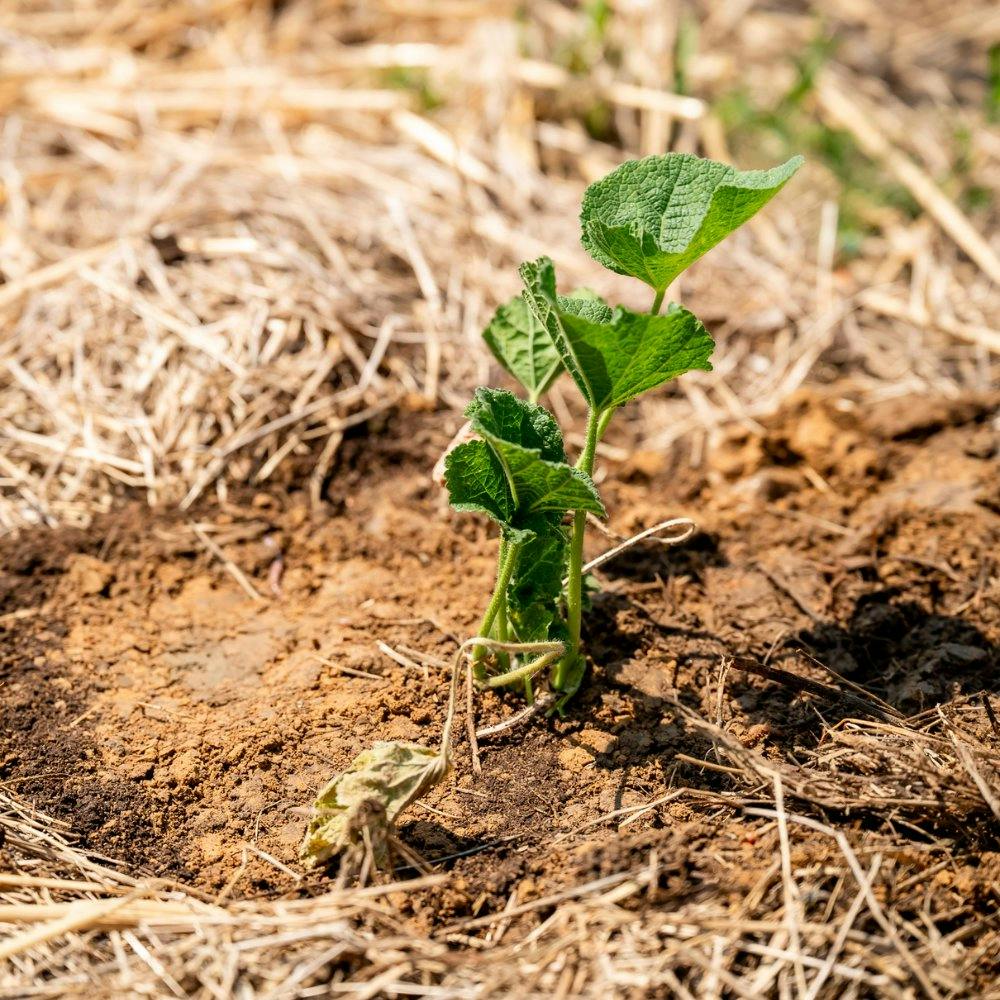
x: 907, y: 657
x: 910, y: 658
x: 650, y: 562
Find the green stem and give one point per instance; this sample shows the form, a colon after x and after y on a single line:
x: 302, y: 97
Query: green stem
x: 500, y: 620
x: 602, y: 424
x: 585, y: 463
x: 505, y: 567
x: 501, y: 629
x: 597, y: 424
x: 574, y: 599
x: 574, y: 582
x: 524, y: 672
x: 501, y: 625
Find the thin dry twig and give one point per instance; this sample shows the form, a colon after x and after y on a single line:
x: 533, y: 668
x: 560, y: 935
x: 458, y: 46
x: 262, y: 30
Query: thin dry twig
x: 231, y: 568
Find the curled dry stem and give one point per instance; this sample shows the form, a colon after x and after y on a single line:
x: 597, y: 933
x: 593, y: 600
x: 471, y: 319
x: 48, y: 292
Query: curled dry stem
x: 550, y: 651
x: 539, y: 706
x: 687, y: 526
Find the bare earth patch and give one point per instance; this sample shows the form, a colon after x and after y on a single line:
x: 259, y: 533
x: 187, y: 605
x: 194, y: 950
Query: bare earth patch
x: 798, y: 646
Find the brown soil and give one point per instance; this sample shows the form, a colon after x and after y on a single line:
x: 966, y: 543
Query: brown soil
x: 170, y: 719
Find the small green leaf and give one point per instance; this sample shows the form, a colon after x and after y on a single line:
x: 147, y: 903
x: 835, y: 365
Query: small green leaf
x: 526, y: 439
x: 615, y: 356
x: 539, y: 487
x: 636, y: 352
x: 536, y: 585
x: 499, y: 414
x: 533, y: 623
x: 476, y: 482
x: 522, y: 345
x: 518, y: 471
x: 652, y: 218
x: 539, y: 570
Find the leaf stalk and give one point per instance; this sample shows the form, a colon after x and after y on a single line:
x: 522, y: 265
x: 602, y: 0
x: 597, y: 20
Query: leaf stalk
x: 506, y: 561
x: 574, y: 583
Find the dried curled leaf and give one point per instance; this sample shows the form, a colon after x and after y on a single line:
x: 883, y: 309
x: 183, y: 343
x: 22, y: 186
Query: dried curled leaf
x: 359, y: 808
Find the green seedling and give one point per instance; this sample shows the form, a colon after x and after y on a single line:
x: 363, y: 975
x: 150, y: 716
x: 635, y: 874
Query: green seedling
x: 649, y: 219
x: 516, y: 473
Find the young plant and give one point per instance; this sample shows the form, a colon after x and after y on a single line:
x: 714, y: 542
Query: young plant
x: 649, y: 219
x: 516, y: 473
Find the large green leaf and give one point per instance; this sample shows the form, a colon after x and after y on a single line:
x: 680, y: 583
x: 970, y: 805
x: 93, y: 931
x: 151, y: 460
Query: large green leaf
x: 522, y: 345
x: 517, y: 474
x: 652, y: 218
x: 615, y: 356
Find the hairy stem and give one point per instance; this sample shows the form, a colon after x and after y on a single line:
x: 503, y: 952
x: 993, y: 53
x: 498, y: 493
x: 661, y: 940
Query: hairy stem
x: 526, y: 671
x: 501, y: 625
x: 505, y: 567
x: 574, y: 582
x: 501, y: 621
x: 602, y: 425
x: 597, y: 424
x: 585, y: 463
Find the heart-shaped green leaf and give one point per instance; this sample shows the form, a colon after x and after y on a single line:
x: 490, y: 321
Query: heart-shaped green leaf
x: 517, y: 474
x: 652, y: 218
x: 523, y: 346
x: 615, y: 356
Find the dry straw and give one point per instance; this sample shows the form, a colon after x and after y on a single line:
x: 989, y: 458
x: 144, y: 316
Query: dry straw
x: 217, y: 260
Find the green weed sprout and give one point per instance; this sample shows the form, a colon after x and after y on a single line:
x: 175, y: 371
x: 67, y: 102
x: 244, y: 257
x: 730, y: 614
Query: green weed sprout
x: 648, y: 219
